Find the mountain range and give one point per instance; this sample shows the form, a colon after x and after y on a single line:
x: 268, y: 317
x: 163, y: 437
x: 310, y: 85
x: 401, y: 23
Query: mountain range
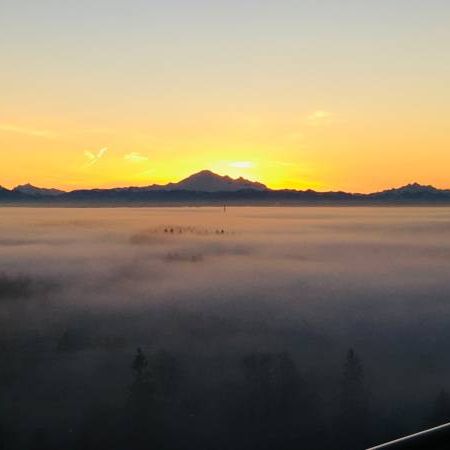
x: 206, y: 187
x: 29, y: 189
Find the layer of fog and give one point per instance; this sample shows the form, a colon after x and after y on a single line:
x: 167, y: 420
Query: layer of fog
x: 213, y: 285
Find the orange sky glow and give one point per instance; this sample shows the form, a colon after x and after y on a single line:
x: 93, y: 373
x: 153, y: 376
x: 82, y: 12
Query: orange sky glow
x: 301, y: 95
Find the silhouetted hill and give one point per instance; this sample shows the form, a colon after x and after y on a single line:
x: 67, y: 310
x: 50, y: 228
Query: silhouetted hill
x: 207, y: 181
x: 207, y: 187
x: 10, y: 196
x: 415, y: 192
x: 29, y: 189
x: 204, y: 181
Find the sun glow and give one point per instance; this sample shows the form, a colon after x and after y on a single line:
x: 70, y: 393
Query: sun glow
x: 242, y: 164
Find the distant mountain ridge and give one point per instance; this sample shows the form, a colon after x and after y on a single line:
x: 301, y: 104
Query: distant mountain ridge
x: 29, y: 189
x: 207, y: 181
x: 413, y: 191
x: 204, y: 181
x: 206, y: 187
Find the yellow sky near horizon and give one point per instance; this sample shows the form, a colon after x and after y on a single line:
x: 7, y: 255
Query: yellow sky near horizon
x: 321, y: 150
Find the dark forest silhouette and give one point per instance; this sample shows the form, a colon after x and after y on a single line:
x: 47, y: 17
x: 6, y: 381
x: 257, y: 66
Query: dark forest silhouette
x: 270, y: 406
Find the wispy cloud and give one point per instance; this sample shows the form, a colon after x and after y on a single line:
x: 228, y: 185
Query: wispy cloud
x: 319, y: 117
x: 242, y: 164
x: 8, y: 128
x: 94, y: 157
x: 135, y: 157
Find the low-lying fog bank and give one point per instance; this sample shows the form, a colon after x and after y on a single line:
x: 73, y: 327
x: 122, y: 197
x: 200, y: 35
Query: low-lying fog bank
x: 259, y: 328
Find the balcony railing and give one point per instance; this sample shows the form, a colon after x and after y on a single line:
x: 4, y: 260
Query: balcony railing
x: 437, y: 438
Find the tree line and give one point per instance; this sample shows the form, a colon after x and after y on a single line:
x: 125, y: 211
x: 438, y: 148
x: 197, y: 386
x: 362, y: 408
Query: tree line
x: 271, y: 406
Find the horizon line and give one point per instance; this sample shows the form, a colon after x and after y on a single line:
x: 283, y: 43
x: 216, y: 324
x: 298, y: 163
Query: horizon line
x: 130, y: 186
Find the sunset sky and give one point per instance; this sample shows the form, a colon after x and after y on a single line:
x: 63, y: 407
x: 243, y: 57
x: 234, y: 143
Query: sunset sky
x: 321, y: 94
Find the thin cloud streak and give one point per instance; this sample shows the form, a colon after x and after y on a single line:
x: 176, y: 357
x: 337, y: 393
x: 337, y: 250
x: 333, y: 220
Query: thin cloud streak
x: 47, y: 134
x: 135, y: 157
x: 319, y: 117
